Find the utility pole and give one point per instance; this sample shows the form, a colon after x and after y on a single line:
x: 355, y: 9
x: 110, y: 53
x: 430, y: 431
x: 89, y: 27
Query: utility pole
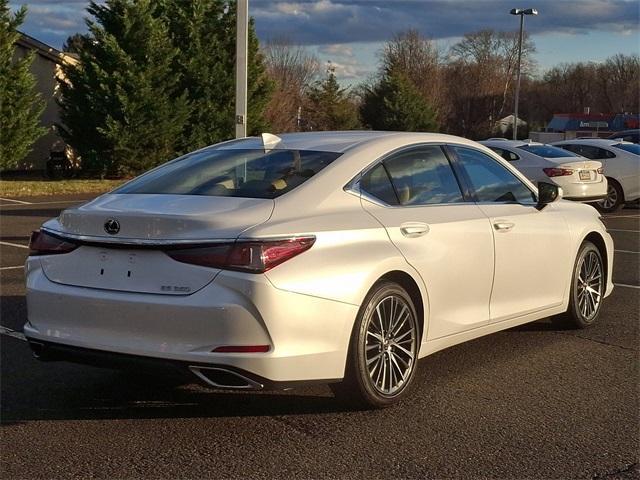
x: 521, y: 12
x: 242, y: 47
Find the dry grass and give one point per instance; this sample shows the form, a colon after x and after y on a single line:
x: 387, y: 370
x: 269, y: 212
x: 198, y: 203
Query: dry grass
x: 25, y: 188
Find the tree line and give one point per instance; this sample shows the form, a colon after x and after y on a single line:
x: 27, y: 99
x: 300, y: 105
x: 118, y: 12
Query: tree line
x: 156, y: 79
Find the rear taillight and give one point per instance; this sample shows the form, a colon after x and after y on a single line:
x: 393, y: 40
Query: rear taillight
x: 600, y: 170
x: 42, y: 243
x: 557, y: 172
x: 255, y: 256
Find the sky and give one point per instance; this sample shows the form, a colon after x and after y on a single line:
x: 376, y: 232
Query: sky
x: 351, y: 33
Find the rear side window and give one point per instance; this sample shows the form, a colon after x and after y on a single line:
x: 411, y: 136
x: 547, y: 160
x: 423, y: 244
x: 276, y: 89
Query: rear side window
x: 506, y: 154
x: 589, y: 151
x: 376, y: 183
x: 546, y: 151
x: 491, y: 181
x: 232, y: 173
x: 423, y: 176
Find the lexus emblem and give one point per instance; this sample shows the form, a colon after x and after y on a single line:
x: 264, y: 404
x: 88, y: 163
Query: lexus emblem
x: 112, y: 226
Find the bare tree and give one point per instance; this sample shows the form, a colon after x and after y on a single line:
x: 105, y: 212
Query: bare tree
x: 293, y: 69
x: 494, y: 56
x: 619, y: 79
x: 413, y: 55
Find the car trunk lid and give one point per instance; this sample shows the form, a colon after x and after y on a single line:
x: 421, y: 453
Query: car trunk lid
x: 134, y: 258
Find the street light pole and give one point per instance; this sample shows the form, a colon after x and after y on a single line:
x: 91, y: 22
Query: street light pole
x: 242, y: 44
x: 521, y: 12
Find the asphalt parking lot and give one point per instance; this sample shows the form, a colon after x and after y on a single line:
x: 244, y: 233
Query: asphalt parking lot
x: 530, y: 402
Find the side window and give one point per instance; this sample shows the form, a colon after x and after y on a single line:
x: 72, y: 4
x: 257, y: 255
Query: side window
x: 491, y: 181
x: 423, y: 176
x: 590, y: 152
x: 506, y: 154
x: 377, y: 184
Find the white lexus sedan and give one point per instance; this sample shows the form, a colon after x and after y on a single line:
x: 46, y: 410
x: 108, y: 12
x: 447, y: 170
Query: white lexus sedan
x: 621, y: 162
x: 331, y: 257
x: 581, y: 179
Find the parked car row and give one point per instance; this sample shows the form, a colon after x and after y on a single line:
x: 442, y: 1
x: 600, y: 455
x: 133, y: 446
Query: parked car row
x: 588, y: 170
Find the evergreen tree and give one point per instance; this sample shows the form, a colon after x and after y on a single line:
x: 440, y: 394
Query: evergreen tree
x: 205, y: 33
x: 123, y: 107
x: 329, y: 107
x: 75, y: 43
x: 394, y: 103
x: 20, y: 104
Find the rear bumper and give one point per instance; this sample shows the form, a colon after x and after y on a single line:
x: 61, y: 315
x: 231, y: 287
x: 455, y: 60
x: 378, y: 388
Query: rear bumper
x: 583, y: 192
x: 307, y: 336
x: 218, y: 376
x: 594, y: 198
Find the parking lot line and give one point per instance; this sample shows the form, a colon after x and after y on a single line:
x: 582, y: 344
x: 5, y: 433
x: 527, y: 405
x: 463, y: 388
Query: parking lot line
x: 17, y: 245
x: 12, y: 268
x: 626, y: 251
x: 21, y: 202
x: 626, y: 285
x: 618, y: 230
x: 12, y: 333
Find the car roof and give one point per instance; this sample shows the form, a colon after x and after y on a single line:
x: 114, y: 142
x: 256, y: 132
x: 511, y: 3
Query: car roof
x: 503, y: 142
x: 336, y: 141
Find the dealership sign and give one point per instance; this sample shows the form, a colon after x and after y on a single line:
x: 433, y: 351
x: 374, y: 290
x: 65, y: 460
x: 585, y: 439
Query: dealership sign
x: 594, y: 124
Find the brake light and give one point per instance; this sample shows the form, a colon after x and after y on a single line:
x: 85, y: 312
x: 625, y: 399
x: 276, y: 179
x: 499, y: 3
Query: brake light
x: 557, y: 172
x: 42, y: 243
x: 255, y: 256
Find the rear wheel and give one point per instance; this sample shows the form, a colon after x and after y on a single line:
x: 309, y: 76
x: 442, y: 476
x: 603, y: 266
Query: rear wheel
x: 614, y: 200
x: 383, y: 351
x: 587, y: 289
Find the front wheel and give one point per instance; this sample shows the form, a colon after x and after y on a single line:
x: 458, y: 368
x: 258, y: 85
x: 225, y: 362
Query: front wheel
x: 383, y: 351
x: 587, y: 288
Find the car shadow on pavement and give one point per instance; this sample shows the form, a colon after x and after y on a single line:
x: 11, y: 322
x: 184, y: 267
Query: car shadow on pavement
x: 36, y: 391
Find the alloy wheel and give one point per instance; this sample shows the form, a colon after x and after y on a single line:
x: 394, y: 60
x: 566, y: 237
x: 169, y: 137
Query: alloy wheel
x: 589, y: 285
x: 391, y: 345
x: 611, y: 199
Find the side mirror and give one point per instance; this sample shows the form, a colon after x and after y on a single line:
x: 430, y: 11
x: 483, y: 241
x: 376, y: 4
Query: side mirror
x: 547, y: 193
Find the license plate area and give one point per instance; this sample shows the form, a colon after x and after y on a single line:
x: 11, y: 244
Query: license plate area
x: 141, y: 271
x: 585, y: 174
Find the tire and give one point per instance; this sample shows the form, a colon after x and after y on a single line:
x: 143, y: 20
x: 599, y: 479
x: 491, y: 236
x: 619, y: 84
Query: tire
x: 383, y: 350
x: 614, y: 200
x: 587, y: 289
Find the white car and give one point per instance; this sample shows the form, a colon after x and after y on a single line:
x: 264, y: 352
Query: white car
x: 312, y: 257
x: 580, y: 179
x: 621, y: 162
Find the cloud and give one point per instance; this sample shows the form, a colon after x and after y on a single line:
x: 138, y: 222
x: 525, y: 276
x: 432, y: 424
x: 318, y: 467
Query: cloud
x: 342, y: 21
x: 339, y: 22
x: 52, y: 22
x: 337, y: 50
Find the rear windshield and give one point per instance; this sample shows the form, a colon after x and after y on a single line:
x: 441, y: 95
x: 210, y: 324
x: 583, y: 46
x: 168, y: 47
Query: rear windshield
x: 233, y: 173
x: 628, y: 147
x: 547, y: 151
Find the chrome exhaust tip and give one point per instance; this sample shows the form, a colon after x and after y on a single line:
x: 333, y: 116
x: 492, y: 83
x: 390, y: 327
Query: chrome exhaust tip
x: 218, y: 377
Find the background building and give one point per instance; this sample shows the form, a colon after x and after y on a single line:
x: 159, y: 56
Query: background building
x: 46, y: 68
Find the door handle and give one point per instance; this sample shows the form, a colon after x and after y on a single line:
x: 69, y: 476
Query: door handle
x: 503, y: 226
x: 414, y: 229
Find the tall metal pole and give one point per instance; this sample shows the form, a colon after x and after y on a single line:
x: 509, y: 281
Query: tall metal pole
x: 515, y: 115
x: 242, y: 45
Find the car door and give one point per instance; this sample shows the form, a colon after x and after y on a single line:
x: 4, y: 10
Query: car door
x: 415, y: 195
x: 533, y: 256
